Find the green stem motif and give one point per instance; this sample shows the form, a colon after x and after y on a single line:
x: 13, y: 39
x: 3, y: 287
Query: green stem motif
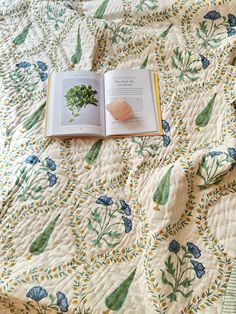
x: 204, y: 116
x: 99, y: 13
x: 104, y: 221
x: 162, y: 192
x: 56, y: 14
x: 119, y: 32
x: 34, y: 118
x: 208, y: 169
x: 183, y: 62
x: 39, y: 244
x: 105, y: 226
x: 165, y: 33
x: 93, y: 153
x: 210, y: 35
x: 29, y: 184
x: 75, y: 59
x: 146, y: 145
x: 20, y: 39
x: 174, y: 273
x: 117, y: 298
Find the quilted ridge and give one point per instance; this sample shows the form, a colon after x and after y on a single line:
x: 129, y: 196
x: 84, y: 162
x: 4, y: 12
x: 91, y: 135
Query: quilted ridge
x: 130, y: 225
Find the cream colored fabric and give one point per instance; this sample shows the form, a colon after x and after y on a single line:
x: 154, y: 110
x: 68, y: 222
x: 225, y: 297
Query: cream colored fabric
x: 132, y: 225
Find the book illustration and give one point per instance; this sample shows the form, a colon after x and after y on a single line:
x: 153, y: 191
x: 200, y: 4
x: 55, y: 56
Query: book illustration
x: 80, y: 101
x: 80, y: 96
x: 120, y: 110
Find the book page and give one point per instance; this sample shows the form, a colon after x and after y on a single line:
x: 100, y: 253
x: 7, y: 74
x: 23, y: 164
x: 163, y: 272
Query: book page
x: 76, y: 104
x: 137, y: 88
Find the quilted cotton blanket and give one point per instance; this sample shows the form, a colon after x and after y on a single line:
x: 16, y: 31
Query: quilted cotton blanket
x: 134, y: 225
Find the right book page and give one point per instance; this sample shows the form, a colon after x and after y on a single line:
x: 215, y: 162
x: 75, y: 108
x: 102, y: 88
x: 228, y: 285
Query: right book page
x: 140, y: 89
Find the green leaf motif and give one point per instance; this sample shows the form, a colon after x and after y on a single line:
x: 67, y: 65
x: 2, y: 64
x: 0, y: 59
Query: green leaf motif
x: 101, y: 10
x: 143, y: 66
x: 114, y: 235
x: 39, y: 244
x: 170, y: 266
x: 165, y: 33
x: 162, y: 192
x: 96, y: 216
x: 20, y: 39
x: 203, y: 118
x: 117, y: 298
x: 186, y: 282
x: 93, y: 153
x: 163, y: 278
x: 34, y: 118
x: 78, y: 50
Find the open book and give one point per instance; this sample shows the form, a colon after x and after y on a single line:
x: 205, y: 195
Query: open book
x: 78, y: 103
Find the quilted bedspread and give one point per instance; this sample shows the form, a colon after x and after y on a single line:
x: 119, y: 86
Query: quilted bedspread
x: 135, y: 225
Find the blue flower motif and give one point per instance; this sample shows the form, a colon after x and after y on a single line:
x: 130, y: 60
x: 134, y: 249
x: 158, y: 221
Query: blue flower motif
x: 212, y: 15
x: 51, y: 164
x: 194, y: 250
x: 125, y: 207
x: 232, y: 153
x: 32, y: 159
x: 205, y: 61
x: 174, y: 246
x: 23, y: 64
x: 52, y: 179
x: 127, y: 224
x: 231, y: 20
x: 42, y: 66
x: 43, y: 76
x: 215, y: 153
x: 199, y: 268
x: 230, y: 31
x: 104, y: 200
x: 37, y: 293
x: 166, y: 140
x: 165, y: 126
x: 62, y: 301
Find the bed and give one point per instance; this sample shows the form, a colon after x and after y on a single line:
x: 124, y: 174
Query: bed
x: 127, y: 225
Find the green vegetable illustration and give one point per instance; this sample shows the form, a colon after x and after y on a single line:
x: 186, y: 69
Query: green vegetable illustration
x: 161, y: 194
x: 93, y: 153
x: 143, y: 66
x: 39, y: 244
x: 117, y: 298
x: 165, y: 33
x: 79, y: 96
x: 101, y: 10
x: 19, y: 39
x: 33, y: 119
x: 204, y: 117
x: 78, y: 51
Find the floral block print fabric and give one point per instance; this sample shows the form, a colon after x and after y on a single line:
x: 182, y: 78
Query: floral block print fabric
x: 138, y: 225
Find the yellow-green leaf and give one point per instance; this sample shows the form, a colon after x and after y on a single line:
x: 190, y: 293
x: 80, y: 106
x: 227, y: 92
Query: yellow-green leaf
x: 161, y: 194
x: 39, y: 244
x: 204, y: 116
x: 101, y: 10
x: 78, y: 50
x: 93, y: 153
x: 117, y: 298
x: 165, y: 33
x: 20, y: 39
x: 33, y: 119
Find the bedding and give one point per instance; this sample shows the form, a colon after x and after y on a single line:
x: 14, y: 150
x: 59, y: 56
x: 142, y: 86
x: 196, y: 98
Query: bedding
x: 127, y: 225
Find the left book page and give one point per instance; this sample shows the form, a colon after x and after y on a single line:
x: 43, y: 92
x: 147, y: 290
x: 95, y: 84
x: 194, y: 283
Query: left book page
x: 75, y: 104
